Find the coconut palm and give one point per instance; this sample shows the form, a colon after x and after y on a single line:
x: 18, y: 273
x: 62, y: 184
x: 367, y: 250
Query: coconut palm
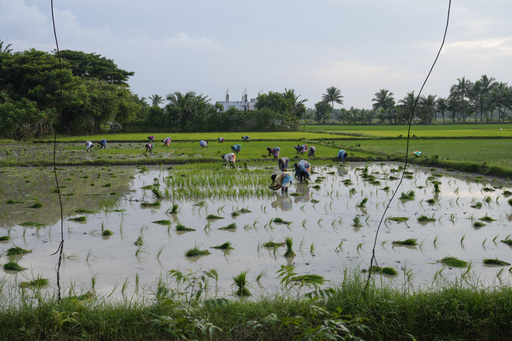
x: 406, y: 106
x: 385, y: 104
x: 299, y: 109
x: 442, y: 107
x: 156, y: 100
x: 6, y: 49
x: 461, y: 92
x: 428, y: 107
x: 332, y: 96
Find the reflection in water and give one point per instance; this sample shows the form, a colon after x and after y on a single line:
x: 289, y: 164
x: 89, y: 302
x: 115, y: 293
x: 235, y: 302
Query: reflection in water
x: 304, y: 189
x: 283, y: 201
x: 342, y: 170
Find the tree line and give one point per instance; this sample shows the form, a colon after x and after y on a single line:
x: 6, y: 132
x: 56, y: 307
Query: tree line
x: 82, y: 93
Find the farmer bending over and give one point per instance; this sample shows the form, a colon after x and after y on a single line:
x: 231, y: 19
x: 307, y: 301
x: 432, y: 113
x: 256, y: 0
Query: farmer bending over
x: 151, y: 138
x: 342, y: 155
x: 283, y: 181
x: 149, y: 148
x: 167, y: 141
x: 246, y: 138
x: 88, y: 146
x: 302, y: 169
x: 221, y: 139
x: 229, y: 158
x: 103, y: 144
x: 236, y: 148
x: 203, y: 144
x: 274, y: 151
x: 283, y: 163
x: 312, y: 151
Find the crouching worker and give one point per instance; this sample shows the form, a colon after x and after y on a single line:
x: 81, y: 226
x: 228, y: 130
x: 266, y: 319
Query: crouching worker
x: 203, y: 144
x: 221, y: 139
x: 302, y: 170
x: 274, y: 151
x: 149, y: 148
x: 103, y: 144
x: 151, y: 138
x: 167, y: 141
x: 283, y: 163
x: 230, y: 159
x: 312, y: 151
x: 301, y: 148
x: 246, y: 138
x: 88, y: 146
x: 342, y: 155
x: 283, y: 181
x: 236, y: 148
x: 416, y: 153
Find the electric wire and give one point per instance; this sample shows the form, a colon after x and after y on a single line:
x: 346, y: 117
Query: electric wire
x: 411, y: 116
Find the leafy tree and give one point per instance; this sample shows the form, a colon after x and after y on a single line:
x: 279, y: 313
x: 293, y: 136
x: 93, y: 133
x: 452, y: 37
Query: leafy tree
x: 91, y: 65
x: 322, y: 111
x: 18, y: 119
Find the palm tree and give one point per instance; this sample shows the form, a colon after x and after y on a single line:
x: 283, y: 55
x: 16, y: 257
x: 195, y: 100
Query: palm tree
x: 442, y: 106
x: 384, y: 102
x: 181, y: 106
x: 428, y: 107
x: 332, y: 96
x: 406, y: 105
x: 6, y: 49
x: 460, y: 91
x: 156, y: 100
x: 299, y: 109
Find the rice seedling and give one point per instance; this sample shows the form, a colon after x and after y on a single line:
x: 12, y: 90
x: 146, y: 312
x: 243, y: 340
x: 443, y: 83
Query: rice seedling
x: 139, y: 241
x: 510, y: 202
x: 38, y: 282
x: 230, y: 227
x: 244, y: 210
x: 398, y: 219
x: 10, y: 201
x: 183, y: 228
x: 487, y: 199
x: 478, y: 224
x: 453, y: 262
x: 195, y: 252
x: 159, y: 253
x: 424, y: 218
x: 226, y: 246
x: 200, y: 204
x: 213, y: 217
x: 36, y: 205
x: 409, y: 242
x: 507, y: 241
x: 487, y: 219
x: 339, y: 248
x: 308, y: 279
x: 4, y: 238
x: 86, y: 211
x: 173, y: 209
x: 261, y: 275
x: 13, y: 266
x: 162, y: 222
x: 235, y: 214
x: 150, y: 204
x: 272, y: 244
x: 407, y: 196
x: 362, y: 204
x: 16, y: 250
x: 241, y: 285
x: 281, y: 221
x: 507, y: 193
x: 386, y: 270
x: 356, y: 222
x: 359, y: 247
x: 495, y: 261
x: 289, y: 247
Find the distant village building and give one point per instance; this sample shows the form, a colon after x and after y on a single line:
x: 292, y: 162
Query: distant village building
x: 243, y: 105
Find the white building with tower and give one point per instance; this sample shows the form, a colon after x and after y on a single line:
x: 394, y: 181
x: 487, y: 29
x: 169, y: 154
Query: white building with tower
x: 243, y: 105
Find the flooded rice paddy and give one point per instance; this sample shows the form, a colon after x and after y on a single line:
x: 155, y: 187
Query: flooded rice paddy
x: 332, y: 222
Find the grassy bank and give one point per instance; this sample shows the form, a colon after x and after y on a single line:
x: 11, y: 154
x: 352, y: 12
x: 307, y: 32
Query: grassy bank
x: 454, y: 312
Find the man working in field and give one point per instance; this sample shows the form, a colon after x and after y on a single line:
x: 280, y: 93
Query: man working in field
x: 283, y: 163
x: 236, y: 148
x: 302, y: 170
x: 88, y: 146
x: 230, y: 158
x: 274, y: 151
x: 283, y: 181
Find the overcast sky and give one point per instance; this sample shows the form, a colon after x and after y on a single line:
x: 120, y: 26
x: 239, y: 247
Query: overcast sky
x: 210, y: 46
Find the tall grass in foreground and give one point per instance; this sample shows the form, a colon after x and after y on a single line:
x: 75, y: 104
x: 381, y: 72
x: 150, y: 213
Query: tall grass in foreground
x: 348, y: 310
